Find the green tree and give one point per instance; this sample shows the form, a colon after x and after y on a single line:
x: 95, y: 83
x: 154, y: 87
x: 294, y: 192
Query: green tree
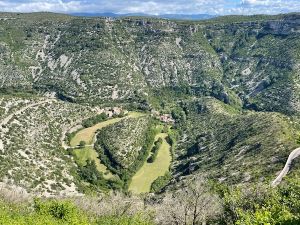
x: 90, y: 173
x: 82, y: 144
x: 262, y: 204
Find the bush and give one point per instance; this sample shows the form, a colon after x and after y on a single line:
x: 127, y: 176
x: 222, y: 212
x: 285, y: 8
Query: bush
x: 90, y: 174
x: 60, y: 212
x: 69, y: 137
x: 82, y: 144
x: 262, y: 204
x: 94, y: 120
x: 160, y: 182
x: 123, y: 220
x: 154, y: 150
x: 51, y: 212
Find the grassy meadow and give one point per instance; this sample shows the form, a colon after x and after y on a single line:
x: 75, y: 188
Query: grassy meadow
x: 88, y: 134
x: 142, y: 180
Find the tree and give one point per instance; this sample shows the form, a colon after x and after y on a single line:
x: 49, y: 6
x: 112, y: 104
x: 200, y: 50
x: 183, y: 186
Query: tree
x: 90, y: 173
x: 193, y: 204
x: 178, y: 115
x: 262, y: 204
x: 155, y: 150
x: 82, y: 144
x: 160, y: 182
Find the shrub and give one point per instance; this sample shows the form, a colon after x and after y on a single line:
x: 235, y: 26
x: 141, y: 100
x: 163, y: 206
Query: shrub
x: 94, y: 120
x: 82, y: 144
x: 69, y: 137
x: 51, y: 212
x: 123, y: 220
x: 62, y: 212
x: 90, y: 174
x: 160, y: 182
x: 262, y: 204
x: 154, y: 150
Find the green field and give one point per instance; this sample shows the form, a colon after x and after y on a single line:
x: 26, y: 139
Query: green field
x: 88, y: 134
x: 142, y: 180
x: 82, y: 155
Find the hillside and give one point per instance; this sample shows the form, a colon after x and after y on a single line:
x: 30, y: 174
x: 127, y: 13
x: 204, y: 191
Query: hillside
x: 232, y: 146
x: 230, y: 83
x: 102, y: 59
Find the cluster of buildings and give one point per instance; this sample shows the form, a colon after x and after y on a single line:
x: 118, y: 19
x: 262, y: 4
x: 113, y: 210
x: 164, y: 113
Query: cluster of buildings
x: 116, y: 111
x: 166, y: 118
x: 112, y: 111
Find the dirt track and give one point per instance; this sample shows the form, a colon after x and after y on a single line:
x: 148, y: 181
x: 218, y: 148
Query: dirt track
x: 8, y: 118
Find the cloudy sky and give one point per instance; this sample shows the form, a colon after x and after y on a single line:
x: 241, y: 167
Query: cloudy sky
x: 220, y: 7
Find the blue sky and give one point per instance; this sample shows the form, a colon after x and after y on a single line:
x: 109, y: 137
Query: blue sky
x: 220, y: 7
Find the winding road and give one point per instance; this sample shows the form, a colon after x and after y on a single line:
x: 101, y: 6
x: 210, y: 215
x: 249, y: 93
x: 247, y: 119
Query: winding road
x: 294, y: 154
x: 6, y: 120
x: 9, y: 117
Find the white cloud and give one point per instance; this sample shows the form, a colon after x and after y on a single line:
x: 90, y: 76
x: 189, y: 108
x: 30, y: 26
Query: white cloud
x: 35, y: 6
x: 269, y: 6
x: 260, y: 2
x: 223, y: 7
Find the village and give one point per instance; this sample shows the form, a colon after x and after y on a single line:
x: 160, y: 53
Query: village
x: 118, y: 111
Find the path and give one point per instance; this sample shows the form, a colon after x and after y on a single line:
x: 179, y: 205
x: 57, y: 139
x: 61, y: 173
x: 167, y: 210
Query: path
x: 5, y: 121
x: 8, y: 118
x: 89, y: 134
x: 294, y: 154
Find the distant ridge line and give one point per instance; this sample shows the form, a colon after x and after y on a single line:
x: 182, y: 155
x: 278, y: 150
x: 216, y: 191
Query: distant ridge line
x: 162, y: 16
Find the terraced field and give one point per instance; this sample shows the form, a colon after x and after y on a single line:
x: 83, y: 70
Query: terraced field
x: 142, y: 180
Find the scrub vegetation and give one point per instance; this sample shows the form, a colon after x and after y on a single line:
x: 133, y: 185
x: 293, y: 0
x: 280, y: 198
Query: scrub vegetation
x: 213, y: 114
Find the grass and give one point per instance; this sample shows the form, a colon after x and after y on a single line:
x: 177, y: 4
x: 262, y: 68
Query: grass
x: 142, y: 180
x: 82, y: 155
x: 88, y: 134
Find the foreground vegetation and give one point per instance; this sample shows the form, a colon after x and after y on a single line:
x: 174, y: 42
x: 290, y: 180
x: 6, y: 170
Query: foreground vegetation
x: 263, y: 205
x: 60, y: 212
x: 197, y: 203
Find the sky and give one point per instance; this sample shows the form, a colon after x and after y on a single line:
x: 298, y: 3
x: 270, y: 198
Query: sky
x: 155, y: 7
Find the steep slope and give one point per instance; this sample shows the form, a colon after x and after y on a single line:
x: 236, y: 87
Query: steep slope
x: 110, y: 59
x: 261, y: 61
x: 231, y: 84
x: 103, y: 59
x: 232, y: 146
x: 31, y: 154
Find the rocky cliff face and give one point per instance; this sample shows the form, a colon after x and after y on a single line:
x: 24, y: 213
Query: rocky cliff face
x: 105, y: 59
x: 260, y: 61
